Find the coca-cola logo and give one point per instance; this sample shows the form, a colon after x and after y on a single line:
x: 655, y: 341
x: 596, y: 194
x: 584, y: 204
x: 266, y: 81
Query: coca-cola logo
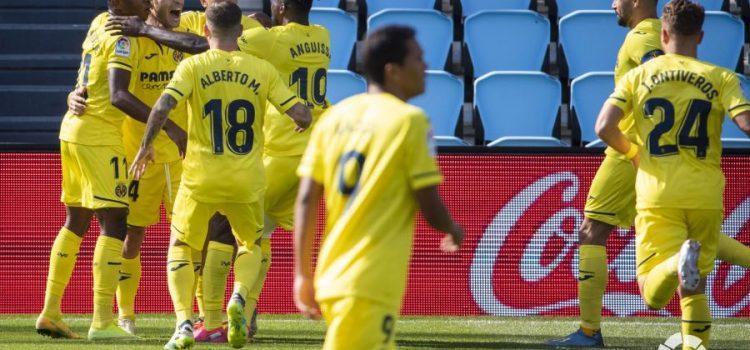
x: 531, y: 246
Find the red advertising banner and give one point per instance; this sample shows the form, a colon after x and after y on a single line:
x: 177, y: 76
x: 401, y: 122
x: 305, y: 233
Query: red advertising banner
x: 520, y: 213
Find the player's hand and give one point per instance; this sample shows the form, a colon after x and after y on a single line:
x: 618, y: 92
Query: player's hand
x: 125, y: 25
x: 262, y: 18
x: 77, y: 100
x: 141, y: 161
x: 178, y: 136
x: 452, y: 241
x: 304, y: 297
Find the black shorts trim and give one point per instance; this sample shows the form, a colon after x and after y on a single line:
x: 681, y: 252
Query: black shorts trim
x: 599, y: 212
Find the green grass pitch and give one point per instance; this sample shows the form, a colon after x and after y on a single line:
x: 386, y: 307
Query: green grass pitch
x: 293, y: 332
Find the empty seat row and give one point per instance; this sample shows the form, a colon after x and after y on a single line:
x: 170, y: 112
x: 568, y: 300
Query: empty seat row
x: 566, y: 7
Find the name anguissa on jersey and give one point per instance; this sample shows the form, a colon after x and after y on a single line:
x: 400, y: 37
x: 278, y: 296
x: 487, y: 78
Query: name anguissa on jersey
x: 501, y: 275
x: 311, y: 47
x: 230, y: 77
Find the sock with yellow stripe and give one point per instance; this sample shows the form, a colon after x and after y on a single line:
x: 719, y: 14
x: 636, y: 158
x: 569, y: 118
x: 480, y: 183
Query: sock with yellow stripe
x: 696, y: 320
x: 592, y: 280
x: 181, y: 280
x: 265, y: 264
x: 62, y: 261
x: 215, y: 272
x: 246, y: 270
x: 106, y: 265
x: 198, y: 285
x: 130, y: 277
x: 733, y: 251
x: 661, y: 283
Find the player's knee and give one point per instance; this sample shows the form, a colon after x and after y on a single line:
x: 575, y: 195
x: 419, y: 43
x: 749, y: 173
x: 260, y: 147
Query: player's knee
x: 113, y: 222
x: 78, y: 220
x: 133, y: 241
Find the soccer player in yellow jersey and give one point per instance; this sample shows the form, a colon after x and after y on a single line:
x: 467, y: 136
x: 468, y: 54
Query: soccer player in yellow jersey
x: 227, y: 92
x: 372, y: 159
x: 678, y: 104
x: 611, y: 199
x: 95, y: 180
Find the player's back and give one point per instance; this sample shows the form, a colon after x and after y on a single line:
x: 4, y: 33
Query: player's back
x: 679, y: 107
x: 301, y: 54
x: 372, y: 152
x: 101, y: 122
x: 227, y: 94
x: 195, y: 21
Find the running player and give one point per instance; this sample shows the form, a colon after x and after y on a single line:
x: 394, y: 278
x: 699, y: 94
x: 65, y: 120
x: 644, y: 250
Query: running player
x: 678, y: 104
x: 371, y: 156
x: 226, y: 92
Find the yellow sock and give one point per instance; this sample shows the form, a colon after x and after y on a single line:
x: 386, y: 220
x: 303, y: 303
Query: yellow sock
x: 181, y: 279
x: 62, y: 260
x: 130, y: 277
x: 592, y: 280
x: 106, y: 265
x: 198, y: 285
x: 733, y: 251
x: 215, y: 272
x: 246, y: 269
x: 661, y: 283
x: 696, y: 319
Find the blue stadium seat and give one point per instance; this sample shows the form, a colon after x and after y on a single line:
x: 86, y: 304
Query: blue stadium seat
x: 518, y: 106
x: 20, y: 124
x: 709, y: 5
x: 41, y: 16
x: 590, y: 41
x: 41, y: 45
x: 448, y: 141
x: 566, y: 7
x: 731, y: 135
x: 343, y: 30
x: 587, y: 95
x: 375, y: 6
x: 434, y: 31
x: 442, y: 100
x: 342, y: 84
x: 47, y: 4
x: 326, y: 3
x: 65, y: 77
x: 506, y: 40
x: 470, y: 7
x: 724, y: 36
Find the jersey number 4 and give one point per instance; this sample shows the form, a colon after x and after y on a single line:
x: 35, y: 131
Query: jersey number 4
x: 239, y: 133
x: 697, y: 113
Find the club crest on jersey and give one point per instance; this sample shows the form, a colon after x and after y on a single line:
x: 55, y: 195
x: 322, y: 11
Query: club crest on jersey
x: 121, y: 190
x: 177, y: 56
x: 122, y: 47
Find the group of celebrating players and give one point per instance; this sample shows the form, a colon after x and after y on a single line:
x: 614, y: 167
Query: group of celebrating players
x: 221, y: 140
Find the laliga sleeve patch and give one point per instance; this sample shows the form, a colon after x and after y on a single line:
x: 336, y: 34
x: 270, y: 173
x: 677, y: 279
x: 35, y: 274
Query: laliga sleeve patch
x: 651, y: 54
x: 122, y: 47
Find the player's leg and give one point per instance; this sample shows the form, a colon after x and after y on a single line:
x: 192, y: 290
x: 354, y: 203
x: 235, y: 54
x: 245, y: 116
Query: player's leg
x: 733, y: 251
x: 355, y: 323
x: 219, y: 254
x: 659, y: 235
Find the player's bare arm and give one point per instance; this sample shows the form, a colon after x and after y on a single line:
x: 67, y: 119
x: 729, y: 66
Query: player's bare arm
x: 608, y: 131
x: 301, y: 116
x: 180, y: 41
x: 262, y: 18
x: 156, y: 120
x: 437, y: 215
x: 305, y: 220
x: 743, y: 122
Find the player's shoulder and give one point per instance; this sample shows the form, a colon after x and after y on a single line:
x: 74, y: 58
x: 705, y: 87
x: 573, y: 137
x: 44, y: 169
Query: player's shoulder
x: 190, y: 16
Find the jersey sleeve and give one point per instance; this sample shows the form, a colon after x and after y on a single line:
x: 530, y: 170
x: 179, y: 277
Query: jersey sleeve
x: 278, y: 93
x: 257, y: 42
x: 644, y: 48
x: 312, y: 165
x: 181, y: 84
x: 420, y: 154
x: 250, y: 23
x: 623, y: 95
x: 732, y: 98
x: 122, y: 53
x: 190, y: 21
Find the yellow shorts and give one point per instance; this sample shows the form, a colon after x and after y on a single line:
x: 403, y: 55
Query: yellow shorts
x: 94, y: 177
x: 190, y: 220
x: 660, y: 233
x: 611, y: 198
x: 356, y: 323
x: 158, y: 185
x: 282, y: 184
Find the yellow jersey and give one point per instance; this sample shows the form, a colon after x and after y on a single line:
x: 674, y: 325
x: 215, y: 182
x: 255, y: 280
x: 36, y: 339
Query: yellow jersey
x: 678, y: 104
x: 195, y: 21
x: 156, y: 65
x: 226, y: 94
x: 101, y: 123
x: 371, y: 152
x: 642, y: 43
x: 302, y: 55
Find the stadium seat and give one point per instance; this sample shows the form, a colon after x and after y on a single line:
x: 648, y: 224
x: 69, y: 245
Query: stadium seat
x: 434, y: 31
x: 326, y: 3
x: 709, y: 5
x: 471, y: 7
x: 343, y: 30
x: 448, y: 141
x: 41, y: 45
x: 566, y: 7
x: 51, y: 16
x: 375, y: 6
x: 47, y: 4
x: 65, y: 77
x: 518, y: 104
x: 39, y: 125
x: 590, y: 41
x: 724, y: 36
x: 342, y: 84
x: 506, y: 48
x: 587, y: 95
x: 731, y: 135
x: 442, y: 100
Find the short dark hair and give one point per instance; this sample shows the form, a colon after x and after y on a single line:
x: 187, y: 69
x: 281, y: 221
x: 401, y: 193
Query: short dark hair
x: 224, y: 15
x: 385, y: 45
x: 301, y: 5
x: 683, y: 17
